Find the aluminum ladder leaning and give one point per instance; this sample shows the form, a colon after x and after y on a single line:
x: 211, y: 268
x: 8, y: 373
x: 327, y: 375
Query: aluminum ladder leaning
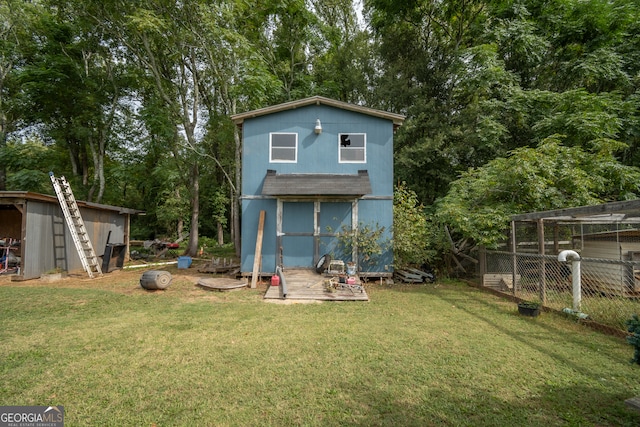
x: 76, y: 225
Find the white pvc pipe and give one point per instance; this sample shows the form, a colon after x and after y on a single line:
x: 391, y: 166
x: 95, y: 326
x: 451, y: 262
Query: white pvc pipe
x: 155, y: 264
x: 574, y: 257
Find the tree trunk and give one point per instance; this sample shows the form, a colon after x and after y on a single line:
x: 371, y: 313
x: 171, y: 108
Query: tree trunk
x: 3, y: 125
x: 73, y: 156
x: 220, y: 234
x: 180, y: 229
x: 94, y: 157
x: 192, y: 247
x: 84, y: 162
x: 102, y: 148
x: 3, y: 168
x: 235, y: 199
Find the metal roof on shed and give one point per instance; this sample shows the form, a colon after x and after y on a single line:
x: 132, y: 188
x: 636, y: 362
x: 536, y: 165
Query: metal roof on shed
x: 623, y: 211
x: 316, y: 184
x: 19, y: 196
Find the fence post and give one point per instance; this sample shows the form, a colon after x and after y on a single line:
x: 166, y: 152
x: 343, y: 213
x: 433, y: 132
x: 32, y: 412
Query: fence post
x: 543, y: 267
x: 514, y: 260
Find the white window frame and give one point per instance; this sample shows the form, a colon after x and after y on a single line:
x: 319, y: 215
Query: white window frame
x: 295, y: 148
x: 363, y: 148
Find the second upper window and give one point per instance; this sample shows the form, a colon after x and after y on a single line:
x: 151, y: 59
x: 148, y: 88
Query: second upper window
x: 352, y: 147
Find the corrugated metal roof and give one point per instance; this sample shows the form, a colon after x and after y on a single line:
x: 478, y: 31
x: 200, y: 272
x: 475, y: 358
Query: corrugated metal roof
x: 624, y: 211
x: 397, y: 119
x: 18, y: 196
x: 316, y: 184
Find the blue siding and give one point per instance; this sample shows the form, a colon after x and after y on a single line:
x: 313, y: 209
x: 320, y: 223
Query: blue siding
x: 378, y: 212
x: 297, y: 250
x: 316, y: 154
x: 333, y: 217
x: 297, y: 217
x: 250, y: 216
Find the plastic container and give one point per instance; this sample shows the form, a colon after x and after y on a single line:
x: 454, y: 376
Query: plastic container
x: 184, y: 262
x: 275, y: 280
x: 155, y: 279
x: 351, y: 269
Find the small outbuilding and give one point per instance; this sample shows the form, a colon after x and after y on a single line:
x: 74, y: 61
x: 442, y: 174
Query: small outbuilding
x: 609, y: 231
x: 316, y: 167
x: 34, y: 234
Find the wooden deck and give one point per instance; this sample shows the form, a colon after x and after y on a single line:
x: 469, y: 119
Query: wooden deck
x: 306, y: 284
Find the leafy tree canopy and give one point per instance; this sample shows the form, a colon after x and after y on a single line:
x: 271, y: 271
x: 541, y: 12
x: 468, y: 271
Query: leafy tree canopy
x: 550, y: 176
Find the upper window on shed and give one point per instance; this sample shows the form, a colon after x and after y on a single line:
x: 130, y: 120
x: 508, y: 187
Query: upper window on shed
x: 283, y: 147
x: 352, y: 147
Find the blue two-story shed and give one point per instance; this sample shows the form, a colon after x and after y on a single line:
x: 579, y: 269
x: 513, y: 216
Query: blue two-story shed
x: 317, y: 167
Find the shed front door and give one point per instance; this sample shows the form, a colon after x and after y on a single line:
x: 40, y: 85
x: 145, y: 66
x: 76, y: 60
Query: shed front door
x: 297, y: 234
x: 308, y: 231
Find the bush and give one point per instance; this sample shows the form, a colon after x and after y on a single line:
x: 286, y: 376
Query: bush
x: 633, y: 326
x: 410, y: 229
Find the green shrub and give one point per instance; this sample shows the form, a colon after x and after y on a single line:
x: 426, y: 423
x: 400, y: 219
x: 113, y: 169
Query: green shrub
x: 633, y: 326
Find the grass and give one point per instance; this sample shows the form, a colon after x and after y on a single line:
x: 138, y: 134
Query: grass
x: 444, y: 354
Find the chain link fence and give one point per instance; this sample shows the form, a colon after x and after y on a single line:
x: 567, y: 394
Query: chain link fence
x: 608, y: 287
x: 609, y: 269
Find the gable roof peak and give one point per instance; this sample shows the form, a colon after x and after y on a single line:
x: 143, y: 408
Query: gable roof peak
x: 397, y: 119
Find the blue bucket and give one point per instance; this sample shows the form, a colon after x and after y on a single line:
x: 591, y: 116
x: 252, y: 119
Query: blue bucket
x: 184, y: 262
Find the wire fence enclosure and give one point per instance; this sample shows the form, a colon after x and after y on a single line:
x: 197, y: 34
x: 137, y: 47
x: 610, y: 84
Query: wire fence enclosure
x: 608, y: 271
x: 609, y: 288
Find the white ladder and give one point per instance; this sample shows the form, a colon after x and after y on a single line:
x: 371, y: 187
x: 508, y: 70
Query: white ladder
x: 76, y: 226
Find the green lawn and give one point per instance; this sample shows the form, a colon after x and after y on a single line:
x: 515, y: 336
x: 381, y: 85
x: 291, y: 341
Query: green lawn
x: 446, y: 354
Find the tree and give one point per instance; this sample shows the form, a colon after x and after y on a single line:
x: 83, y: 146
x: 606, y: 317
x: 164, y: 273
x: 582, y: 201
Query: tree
x: 343, y: 65
x: 28, y: 164
x: 285, y: 32
x: 72, y: 86
x: 168, y: 53
x: 477, y: 80
x: 426, y: 51
x: 480, y: 203
x: 237, y: 78
x: 197, y: 67
x: 410, y: 229
x: 15, y: 20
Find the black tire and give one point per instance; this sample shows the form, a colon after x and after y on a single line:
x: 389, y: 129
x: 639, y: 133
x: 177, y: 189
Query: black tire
x: 323, y: 263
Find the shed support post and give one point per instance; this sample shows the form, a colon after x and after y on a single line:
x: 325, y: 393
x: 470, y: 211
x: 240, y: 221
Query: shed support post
x: 354, y: 227
x: 316, y: 230
x: 279, y: 248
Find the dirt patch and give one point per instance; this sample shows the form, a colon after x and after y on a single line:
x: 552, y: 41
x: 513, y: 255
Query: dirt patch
x: 127, y: 282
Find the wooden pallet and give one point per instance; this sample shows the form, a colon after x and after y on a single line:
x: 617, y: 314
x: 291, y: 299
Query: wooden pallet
x: 501, y: 282
x: 412, y: 275
x: 306, y: 284
x: 221, y: 266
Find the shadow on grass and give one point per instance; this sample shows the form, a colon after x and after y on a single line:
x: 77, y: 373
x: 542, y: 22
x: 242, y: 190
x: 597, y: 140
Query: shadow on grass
x: 593, y: 400
x: 550, y: 406
x: 562, y: 333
